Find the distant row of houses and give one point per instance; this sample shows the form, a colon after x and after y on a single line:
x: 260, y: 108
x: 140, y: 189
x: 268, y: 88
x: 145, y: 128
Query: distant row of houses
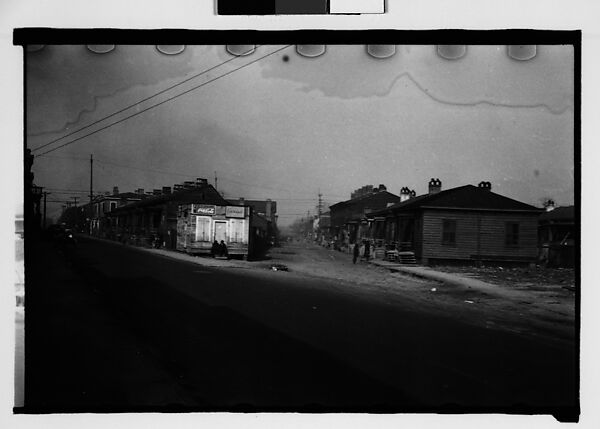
x: 463, y: 224
x: 188, y: 217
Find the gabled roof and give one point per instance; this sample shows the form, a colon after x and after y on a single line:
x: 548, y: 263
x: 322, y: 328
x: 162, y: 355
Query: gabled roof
x: 463, y: 197
x: 205, y: 194
x: 363, y: 198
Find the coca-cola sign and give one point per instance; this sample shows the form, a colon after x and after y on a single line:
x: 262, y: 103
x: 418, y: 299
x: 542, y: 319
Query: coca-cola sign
x: 204, y: 209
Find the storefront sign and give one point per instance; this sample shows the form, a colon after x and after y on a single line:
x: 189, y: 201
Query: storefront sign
x: 204, y: 210
x: 235, y: 211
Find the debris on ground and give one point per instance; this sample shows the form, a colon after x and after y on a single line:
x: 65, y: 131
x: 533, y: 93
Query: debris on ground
x: 517, y: 276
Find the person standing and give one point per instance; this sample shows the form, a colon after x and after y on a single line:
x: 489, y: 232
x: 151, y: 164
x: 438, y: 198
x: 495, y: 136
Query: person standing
x: 224, y: 252
x: 355, y: 253
x: 215, y: 249
x: 367, y: 250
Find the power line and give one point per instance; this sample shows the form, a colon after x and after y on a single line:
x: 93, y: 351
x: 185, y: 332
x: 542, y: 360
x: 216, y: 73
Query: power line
x: 163, y: 102
x: 138, y: 102
x: 67, y: 157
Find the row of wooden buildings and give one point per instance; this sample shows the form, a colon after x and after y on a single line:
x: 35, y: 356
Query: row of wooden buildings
x: 464, y: 224
x: 189, y: 217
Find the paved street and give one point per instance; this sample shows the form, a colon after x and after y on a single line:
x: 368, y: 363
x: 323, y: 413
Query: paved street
x: 114, y: 327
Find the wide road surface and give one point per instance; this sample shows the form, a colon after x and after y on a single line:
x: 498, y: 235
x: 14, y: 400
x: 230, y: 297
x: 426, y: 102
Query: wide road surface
x: 115, y: 328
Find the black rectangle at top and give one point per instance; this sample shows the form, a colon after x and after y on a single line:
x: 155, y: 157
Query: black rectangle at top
x: 245, y: 7
x: 301, y: 7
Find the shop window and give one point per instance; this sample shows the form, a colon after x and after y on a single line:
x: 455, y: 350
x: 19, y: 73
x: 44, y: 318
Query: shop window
x: 449, y: 232
x: 237, y: 230
x: 512, y: 234
x: 203, y: 229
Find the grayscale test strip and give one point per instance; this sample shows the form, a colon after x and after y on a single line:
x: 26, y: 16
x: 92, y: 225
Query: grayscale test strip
x: 300, y: 7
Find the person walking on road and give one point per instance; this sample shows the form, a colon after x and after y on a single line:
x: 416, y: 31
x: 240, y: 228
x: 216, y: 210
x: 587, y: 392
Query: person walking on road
x: 355, y: 253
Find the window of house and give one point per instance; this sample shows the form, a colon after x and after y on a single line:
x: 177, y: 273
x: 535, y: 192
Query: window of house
x: 512, y: 234
x: 113, y: 205
x: 448, y: 232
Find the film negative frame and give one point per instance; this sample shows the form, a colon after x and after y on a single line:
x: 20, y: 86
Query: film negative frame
x: 452, y: 45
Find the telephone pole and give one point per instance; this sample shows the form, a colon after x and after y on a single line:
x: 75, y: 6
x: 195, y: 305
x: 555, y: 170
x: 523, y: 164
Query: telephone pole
x: 91, y: 178
x: 44, y: 220
x: 76, y: 212
x: 320, y: 204
x: 89, y: 215
x: 216, y: 188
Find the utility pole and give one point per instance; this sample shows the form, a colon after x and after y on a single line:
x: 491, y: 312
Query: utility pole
x: 91, y: 189
x: 320, y: 204
x: 44, y: 220
x: 216, y: 188
x: 91, y: 178
x: 76, y: 213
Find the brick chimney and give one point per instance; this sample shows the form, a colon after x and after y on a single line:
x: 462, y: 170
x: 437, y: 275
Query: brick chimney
x: 241, y: 201
x: 200, y: 181
x: 177, y: 187
x: 404, y: 194
x: 166, y: 190
x: 139, y: 191
x: 549, y: 205
x: 115, y: 190
x: 382, y: 187
x: 435, y: 186
x: 485, y: 185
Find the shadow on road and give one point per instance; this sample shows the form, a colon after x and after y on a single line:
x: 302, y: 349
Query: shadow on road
x: 90, y: 338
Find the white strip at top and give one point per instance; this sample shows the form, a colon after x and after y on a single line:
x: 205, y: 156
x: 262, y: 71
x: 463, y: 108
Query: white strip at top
x: 356, y: 6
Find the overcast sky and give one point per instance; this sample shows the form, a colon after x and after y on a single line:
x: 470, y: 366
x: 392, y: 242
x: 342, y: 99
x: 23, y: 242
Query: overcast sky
x: 285, y: 129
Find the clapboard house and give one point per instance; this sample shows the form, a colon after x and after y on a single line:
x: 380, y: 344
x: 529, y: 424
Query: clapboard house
x: 346, y: 216
x: 467, y: 224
